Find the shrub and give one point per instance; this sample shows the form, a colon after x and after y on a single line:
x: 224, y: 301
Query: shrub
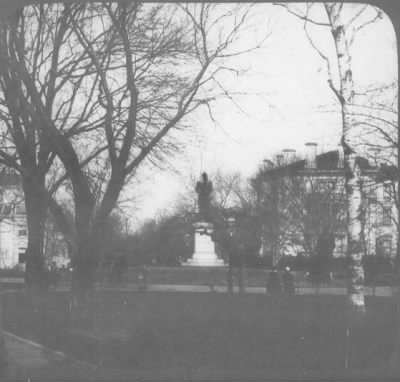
x: 3, y: 358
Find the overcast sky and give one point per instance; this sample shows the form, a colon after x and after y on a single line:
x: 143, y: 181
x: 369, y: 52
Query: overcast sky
x: 285, y: 106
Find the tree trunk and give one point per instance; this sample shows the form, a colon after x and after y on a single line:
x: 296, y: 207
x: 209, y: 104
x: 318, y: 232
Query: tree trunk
x: 241, y: 274
x: 90, y: 232
x: 230, y: 275
x: 90, y: 251
x: 355, y: 287
x: 36, y: 209
x: 83, y: 283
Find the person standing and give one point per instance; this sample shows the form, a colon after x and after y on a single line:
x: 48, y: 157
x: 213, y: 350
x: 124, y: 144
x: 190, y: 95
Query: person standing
x: 273, y: 283
x: 288, y: 281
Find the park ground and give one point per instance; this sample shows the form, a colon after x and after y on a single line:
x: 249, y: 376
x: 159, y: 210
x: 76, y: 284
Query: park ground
x: 206, y: 336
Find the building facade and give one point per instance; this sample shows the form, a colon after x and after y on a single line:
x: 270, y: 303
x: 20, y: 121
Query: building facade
x: 13, y: 228
x: 14, y: 231
x: 299, y: 199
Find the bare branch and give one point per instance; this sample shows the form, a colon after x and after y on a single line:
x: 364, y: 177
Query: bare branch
x: 302, y: 16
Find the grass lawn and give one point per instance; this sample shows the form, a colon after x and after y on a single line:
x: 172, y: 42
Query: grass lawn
x: 210, y: 336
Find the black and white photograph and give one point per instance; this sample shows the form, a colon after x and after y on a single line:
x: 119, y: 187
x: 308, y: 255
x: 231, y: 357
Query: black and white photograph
x: 199, y: 191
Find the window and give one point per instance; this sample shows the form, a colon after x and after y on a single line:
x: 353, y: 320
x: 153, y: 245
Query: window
x: 340, y: 244
x: 331, y: 186
x: 384, y: 246
x: 22, y: 232
x: 21, y: 256
x: 338, y: 213
x: 5, y: 209
x: 325, y: 185
x: 387, y: 192
x: 386, y: 216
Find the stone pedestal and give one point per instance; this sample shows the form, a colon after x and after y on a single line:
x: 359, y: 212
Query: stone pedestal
x: 204, y: 248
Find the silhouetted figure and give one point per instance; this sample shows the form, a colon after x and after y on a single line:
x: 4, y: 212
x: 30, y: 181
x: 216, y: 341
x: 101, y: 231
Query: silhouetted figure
x: 142, y: 278
x: 240, y: 250
x: 118, y: 267
x: 204, y: 189
x: 288, y: 282
x: 320, y: 263
x: 273, y: 283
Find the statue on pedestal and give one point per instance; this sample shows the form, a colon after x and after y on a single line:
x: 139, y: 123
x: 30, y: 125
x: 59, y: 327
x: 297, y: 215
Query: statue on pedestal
x: 204, y: 247
x: 204, y: 189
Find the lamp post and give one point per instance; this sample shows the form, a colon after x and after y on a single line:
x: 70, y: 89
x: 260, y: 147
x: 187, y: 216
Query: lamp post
x: 186, y: 240
x: 231, y: 224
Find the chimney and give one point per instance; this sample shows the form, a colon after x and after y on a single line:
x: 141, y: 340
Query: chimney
x: 311, y: 155
x: 268, y: 164
x: 340, y: 156
x: 289, y: 156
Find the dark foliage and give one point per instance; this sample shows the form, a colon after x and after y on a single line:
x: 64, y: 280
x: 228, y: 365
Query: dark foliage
x: 375, y: 266
x: 164, y: 242
x: 3, y: 359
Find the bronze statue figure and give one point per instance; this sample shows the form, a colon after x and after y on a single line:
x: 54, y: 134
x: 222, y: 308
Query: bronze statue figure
x: 204, y: 189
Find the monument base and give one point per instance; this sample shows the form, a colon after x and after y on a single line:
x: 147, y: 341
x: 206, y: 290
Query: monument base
x: 200, y: 262
x: 204, y: 248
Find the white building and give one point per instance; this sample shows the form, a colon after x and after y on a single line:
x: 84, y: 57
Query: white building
x: 13, y: 229
x: 299, y: 197
x: 14, y: 232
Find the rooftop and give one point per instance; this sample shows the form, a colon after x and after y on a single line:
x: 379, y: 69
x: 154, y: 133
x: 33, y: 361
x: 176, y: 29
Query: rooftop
x: 329, y: 161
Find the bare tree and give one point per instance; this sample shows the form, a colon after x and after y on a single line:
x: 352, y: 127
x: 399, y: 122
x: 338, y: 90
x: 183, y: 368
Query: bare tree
x: 37, y: 40
x: 123, y: 75
x: 344, y: 25
x: 343, y: 34
x: 378, y: 116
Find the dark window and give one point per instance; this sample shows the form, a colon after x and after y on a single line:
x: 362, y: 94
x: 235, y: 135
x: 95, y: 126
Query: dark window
x: 341, y: 244
x: 387, y: 216
x: 387, y: 193
x: 338, y: 214
x: 21, y: 256
x: 384, y: 246
x: 22, y: 232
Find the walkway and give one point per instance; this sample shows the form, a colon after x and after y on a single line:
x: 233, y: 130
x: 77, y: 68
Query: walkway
x: 369, y: 291
x: 29, y: 360
x: 132, y: 287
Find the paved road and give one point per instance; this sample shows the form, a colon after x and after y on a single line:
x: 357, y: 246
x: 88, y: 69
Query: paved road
x: 127, y: 287
x: 27, y: 360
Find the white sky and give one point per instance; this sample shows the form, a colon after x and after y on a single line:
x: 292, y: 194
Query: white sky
x: 287, y: 86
